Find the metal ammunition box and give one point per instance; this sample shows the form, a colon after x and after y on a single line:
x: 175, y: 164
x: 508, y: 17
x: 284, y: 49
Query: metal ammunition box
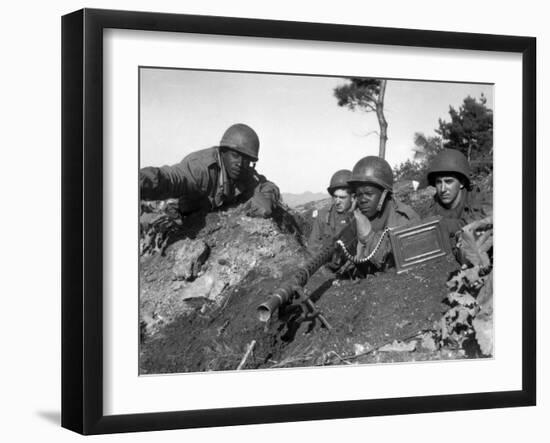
x: 415, y: 244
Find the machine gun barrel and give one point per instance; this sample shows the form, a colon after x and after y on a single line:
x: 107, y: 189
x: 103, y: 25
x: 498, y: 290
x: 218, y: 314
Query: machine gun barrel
x: 285, y: 293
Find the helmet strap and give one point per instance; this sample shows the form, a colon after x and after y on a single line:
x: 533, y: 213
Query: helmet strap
x: 382, y: 200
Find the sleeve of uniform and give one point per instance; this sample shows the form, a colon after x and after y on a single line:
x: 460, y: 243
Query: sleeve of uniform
x: 316, y: 236
x: 479, y: 208
x: 184, y: 178
x: 382, y: 254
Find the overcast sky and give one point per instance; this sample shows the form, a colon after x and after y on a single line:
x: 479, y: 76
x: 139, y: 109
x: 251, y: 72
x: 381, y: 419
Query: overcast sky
x: 304, y: 135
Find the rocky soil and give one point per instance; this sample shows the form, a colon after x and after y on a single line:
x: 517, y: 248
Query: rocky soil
x: 201, y: 286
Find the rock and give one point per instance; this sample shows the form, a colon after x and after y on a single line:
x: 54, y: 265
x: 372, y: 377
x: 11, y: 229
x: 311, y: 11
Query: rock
x: 206, y: 286
x: 397, y: 346
x: 189, y: 256
x: 428, y: 342
x: 200, y: 288
x: 402, y: 324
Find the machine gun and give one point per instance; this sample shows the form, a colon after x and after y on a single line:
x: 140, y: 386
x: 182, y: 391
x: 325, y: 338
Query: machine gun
x: 411, y: 245
x: 292, y: 291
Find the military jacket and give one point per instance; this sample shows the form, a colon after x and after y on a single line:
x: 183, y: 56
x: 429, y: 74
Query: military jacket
x: 470, y: 209
x: 327, y: 224
x: 396, y: 214
x: 200, y: 182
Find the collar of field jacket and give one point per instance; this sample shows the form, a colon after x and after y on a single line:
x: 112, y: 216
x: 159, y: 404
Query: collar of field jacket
x: 380, y: 221
x: 226, y: 186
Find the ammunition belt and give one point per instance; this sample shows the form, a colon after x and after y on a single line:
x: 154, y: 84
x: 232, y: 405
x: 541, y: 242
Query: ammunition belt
x: 359, y: 261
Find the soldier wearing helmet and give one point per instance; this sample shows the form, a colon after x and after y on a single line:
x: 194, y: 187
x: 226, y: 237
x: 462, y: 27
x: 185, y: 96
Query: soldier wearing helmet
x: 211, y: 178
x: 376, y: 209
x: 329, y: 222
x: 454, y: 200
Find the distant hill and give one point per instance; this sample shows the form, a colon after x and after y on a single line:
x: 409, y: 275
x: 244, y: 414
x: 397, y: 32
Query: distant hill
x: 294, y: 200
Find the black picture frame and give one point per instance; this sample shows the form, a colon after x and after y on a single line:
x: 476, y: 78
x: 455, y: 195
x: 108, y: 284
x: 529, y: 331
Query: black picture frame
x: 82, y: 218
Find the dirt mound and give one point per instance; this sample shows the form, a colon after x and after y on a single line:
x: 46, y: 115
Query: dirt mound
x: 364, y: 315
x: 199, y: 302
x: 205, y: 257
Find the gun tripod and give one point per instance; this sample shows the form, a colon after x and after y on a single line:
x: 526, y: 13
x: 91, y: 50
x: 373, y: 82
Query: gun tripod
x: 309, y: 311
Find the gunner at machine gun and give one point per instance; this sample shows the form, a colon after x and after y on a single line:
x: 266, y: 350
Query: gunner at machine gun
x: 363, y: 242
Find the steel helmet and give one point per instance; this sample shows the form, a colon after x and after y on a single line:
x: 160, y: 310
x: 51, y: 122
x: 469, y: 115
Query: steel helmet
x: 449, y: 160
x: 374, y: 170
x: 242, y: 138
x: 339, y: 180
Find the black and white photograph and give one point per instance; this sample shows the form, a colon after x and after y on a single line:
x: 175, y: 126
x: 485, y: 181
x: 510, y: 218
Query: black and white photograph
x: 297, y: 221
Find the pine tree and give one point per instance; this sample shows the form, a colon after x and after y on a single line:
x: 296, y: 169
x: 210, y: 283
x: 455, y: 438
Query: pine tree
x: 470, y: 130
x: 366, y: 94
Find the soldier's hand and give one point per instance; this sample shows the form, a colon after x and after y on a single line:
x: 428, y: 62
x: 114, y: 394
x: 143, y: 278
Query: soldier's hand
x: 475, y: 240
x: 347, y: 269
x: 363, y: 225
x: 270, y: 191
x: 257, y: 208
